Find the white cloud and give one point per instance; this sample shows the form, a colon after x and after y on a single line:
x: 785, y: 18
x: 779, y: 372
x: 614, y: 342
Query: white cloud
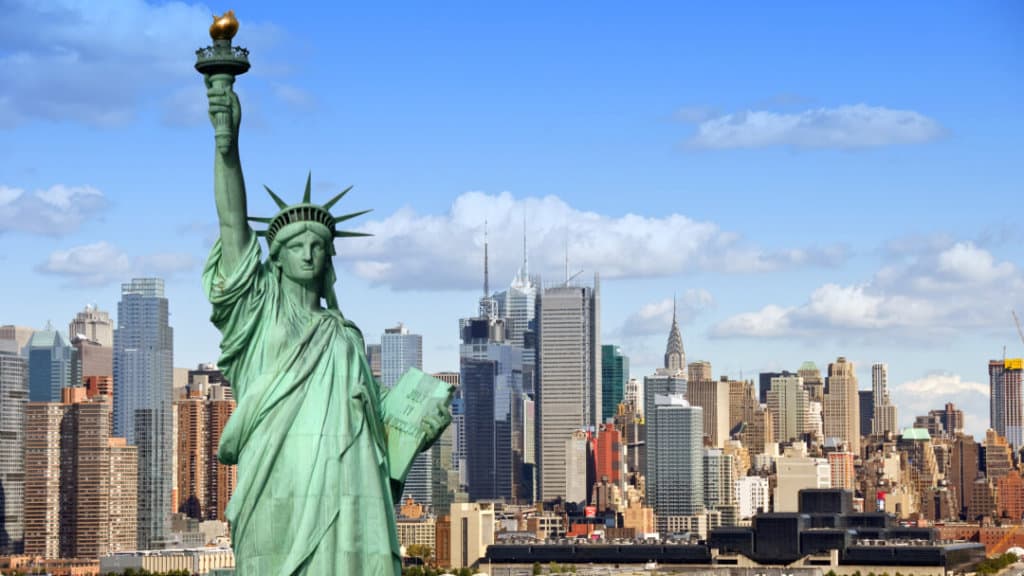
x: 445, y: 251
x: 931, y: 392
x: 937, y: 290
x: 96, y: 62
x: 656, y: 317
x: 53, y: 211
x: 843, y: 127
x: 294, y: 96
x: 103, y: 263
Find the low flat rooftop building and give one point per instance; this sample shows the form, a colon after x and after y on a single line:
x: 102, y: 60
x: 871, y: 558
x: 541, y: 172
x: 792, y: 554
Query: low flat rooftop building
x: 200, y: 561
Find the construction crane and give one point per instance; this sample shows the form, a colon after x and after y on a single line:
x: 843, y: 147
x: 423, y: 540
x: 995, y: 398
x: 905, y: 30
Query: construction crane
x: 1017, y: 322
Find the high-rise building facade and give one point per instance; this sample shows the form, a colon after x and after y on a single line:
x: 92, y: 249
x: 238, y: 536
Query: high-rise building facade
x: 842, y: 405
x: 1006, y: 406
x: 93, y: 324
x: 13, y: 397
x: 399, y: 351
x: 712, y: 396
x: 568, y: 395
x: 676, y: 489
x: 204, y: 485
x: 50, y: 361
x: 884, y: 411
x: 787, y: 401
x: 82, y: 500
x: 813, y: 382
x: 719, y: 487
x: 614, y: 375
x: 492, y: 392
x: 143, y: 403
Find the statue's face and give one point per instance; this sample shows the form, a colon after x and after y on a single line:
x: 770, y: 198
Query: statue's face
x: 303, y: 257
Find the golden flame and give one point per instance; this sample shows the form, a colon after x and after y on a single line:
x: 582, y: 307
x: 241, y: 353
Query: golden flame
x: 224, y: 27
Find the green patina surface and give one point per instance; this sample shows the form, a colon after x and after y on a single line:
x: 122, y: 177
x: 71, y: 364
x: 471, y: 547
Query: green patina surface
x: 322, y: 451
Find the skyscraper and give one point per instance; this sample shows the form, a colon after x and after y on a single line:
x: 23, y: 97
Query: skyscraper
x: 884, y: 411
x: 399, y: 351
x: 678, y: 461
x: 675, y: 355
x: 614, y: 375
x: 49, y: 365
x: 813, y: 382
x: 842, y: 405
x: 143, y: 377
x: 866, y: 399
x: 664, y: 382
x: 82, y: 497
x: 1006, y: 406
x: 787, y: 401
x: 713, y: 397
x: 93, y: 324
x: 13, y: 397
x: 204, y: 484
x: 569, y: 376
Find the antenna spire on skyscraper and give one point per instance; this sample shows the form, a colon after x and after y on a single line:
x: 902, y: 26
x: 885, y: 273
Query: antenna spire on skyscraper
x: 487, y: 283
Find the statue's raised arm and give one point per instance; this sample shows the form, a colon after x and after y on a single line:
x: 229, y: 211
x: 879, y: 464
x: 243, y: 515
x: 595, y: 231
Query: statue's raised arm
x: 228, y: 184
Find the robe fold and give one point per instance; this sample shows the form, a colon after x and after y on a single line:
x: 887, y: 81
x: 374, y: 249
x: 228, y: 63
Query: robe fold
x: 313, y: 494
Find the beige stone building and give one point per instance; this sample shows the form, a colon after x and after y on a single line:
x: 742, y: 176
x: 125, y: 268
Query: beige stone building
x: 81, y: 484
x: 472, y: 531
x: 842, y: 405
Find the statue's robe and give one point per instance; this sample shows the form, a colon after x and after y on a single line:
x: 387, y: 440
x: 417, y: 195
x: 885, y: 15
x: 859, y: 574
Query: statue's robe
x: 313, y: 494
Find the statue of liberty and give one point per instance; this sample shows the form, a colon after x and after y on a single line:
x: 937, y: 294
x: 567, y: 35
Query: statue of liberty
x: 321, y: 452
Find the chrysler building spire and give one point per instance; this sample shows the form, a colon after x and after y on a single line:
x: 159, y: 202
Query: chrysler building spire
x: 675, y: 356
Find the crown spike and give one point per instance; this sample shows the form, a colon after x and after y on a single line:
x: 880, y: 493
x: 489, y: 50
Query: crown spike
x: 307, y: 195
x: 280, y: 203
x: 334, y: 200
x: 346, y: 234
x: 344, y: 217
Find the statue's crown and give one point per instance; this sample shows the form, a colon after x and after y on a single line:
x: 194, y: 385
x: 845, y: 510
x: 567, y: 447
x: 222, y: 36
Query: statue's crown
x: 306, y: 211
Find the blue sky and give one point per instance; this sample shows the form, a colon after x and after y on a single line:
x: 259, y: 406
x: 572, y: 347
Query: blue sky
x: 811, y: 179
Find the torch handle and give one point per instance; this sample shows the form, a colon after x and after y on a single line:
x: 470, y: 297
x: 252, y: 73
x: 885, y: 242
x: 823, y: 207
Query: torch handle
x: 223, y: 123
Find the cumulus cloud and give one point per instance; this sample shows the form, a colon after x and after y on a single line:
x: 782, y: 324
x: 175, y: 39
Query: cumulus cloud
x: 931, y: 392
x: 445, y: 251
x: 656, y: 317
x: 52, y: 211
x: 103, y: 263
x: 940, y: 290
x: 96, y: 62
x: 843, y: 127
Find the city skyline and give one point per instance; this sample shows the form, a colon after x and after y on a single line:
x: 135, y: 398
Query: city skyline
x: 687, y: 157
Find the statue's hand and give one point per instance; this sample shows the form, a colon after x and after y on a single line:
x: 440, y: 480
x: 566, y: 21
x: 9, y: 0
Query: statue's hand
x: 434, y: 423
x: 225, y: 110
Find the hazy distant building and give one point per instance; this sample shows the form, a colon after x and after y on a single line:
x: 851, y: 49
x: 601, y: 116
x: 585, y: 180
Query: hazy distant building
x: 1006, y: 411
x: 813, y: 382
x: 614, y: 375
x: 49, y: 365
x: 675, y: 354
x: 787, y: 402
x: 842, y: 406
x: 951, y: 418
x: 13, y: 397
x: 866, y: 400
x: 143, y: 402
x: 568, y: 395
x: 93, y: 324
x: 884, y: 420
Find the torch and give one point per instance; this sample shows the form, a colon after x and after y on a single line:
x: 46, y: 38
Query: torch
x: 221, y: 63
